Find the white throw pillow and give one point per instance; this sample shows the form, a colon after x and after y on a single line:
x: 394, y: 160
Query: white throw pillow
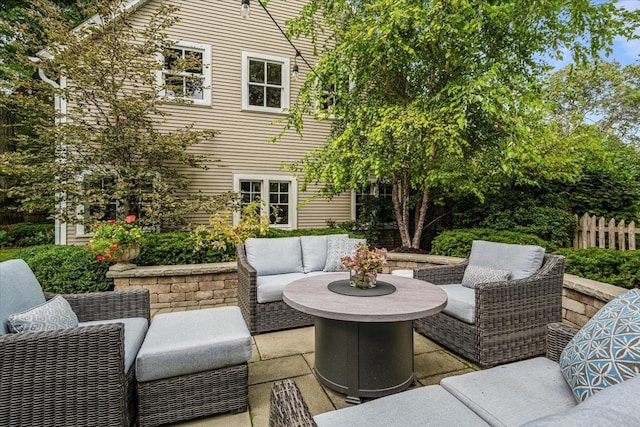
x: 476, y: 274
x: 338, y: 247
x: 53, y: 314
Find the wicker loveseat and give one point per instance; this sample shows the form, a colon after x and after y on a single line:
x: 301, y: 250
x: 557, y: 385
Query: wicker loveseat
x: 505, y: 320
x: 267, y: 265
x: 76, y: 376
x: 530, y: 392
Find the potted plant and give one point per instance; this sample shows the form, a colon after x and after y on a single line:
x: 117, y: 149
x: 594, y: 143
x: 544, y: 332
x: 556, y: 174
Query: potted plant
x: 364, y: 265
x: 117, y: 241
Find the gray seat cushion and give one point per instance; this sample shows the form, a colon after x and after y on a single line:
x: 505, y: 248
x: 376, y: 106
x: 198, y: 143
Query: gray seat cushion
x: 269, y: 288
x: 19, y: 290
x: 135, y: 329
x: 274, y: 256
x: 419, y: 407
x: 616, y: 405
x: 513, y: 394
x: 188, y: 342
x: 461, y: 302
x: 521, y: 260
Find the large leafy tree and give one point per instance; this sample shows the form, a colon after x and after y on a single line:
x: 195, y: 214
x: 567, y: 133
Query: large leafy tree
x: 440, y: 95
x: 109, y: 145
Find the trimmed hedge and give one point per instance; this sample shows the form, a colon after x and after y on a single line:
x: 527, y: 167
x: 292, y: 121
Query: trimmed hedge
x: 620, y: 268
x: 67, y: 269
x: 458, y: 242
x: 178, y: 248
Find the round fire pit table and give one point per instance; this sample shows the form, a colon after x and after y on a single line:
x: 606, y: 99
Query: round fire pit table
x: 364, y: 344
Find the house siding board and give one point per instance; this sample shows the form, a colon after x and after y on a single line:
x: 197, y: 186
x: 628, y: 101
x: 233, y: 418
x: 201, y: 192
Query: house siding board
x: 242, y: 145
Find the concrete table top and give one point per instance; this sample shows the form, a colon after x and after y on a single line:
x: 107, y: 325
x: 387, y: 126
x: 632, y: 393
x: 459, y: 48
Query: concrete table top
x: 412, y: 299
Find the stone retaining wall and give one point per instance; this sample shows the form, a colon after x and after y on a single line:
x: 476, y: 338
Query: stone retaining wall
x: 214, y: 285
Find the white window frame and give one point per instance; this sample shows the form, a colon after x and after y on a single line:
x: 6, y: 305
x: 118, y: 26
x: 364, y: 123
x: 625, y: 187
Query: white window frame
x: 375, y: 187
x: 206, y: 72
x: 293, y: 196
x: 246, y: 56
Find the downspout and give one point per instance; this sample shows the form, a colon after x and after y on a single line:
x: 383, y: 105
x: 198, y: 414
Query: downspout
x: 60, y: 105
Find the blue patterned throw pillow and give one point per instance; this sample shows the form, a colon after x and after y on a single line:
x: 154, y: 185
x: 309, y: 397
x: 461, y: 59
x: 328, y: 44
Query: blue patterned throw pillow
x: 606, y: 350
x: 476, y: 274
x: 53, y: 314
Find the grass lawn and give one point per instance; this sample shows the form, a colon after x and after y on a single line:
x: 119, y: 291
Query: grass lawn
x: 6, y: 254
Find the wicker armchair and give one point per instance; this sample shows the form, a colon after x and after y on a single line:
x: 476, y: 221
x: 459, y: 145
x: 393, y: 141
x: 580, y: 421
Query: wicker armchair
x: 263, y: 317
x: 289, y: 409
x: 72, y: 377
x: 510, y: 316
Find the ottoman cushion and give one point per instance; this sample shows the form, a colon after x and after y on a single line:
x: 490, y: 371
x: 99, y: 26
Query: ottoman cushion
x: 193, y: 341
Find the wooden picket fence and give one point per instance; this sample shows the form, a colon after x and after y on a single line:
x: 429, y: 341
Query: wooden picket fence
x: 595, y: 232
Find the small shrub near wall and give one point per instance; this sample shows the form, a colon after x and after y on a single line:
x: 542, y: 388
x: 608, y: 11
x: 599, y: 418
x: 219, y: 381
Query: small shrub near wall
x: 458, y: 242
x: 26, y: 234
x: 67, y: 269
x: 620, y: 268
x: 178, y: 248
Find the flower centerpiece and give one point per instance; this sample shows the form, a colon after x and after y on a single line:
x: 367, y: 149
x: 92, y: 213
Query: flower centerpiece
x: 364, y: 265
x: 116, y: 240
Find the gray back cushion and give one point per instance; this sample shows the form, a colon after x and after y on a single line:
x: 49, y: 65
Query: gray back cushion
x: 19, y: 290
x: 274, y: 256
x: 314, y: 251
x: 522, y: 260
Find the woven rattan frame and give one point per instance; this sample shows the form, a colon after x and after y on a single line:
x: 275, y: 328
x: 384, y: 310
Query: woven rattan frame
x: 511, y: 316
x: 72, y: 377
x: 289, y: 409
x: 263, y: 317
x: 194, y: 395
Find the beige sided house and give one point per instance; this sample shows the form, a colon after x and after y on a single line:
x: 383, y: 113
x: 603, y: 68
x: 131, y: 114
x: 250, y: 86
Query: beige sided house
x: 247, y: 163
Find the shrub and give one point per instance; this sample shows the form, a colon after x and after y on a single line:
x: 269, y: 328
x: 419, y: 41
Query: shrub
x: 620, y: 268
x: 458, y: 242
x: 4, y: 238
x: 179, y: 248
x: 67, y: 269
x: 26, y: 234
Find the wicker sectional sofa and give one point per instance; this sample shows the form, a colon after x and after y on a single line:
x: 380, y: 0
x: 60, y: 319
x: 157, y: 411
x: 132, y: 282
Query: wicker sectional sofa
x: 267, y: 265
x: 530, y: 392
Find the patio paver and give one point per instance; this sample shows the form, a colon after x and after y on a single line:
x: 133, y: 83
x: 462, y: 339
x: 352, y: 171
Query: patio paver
x: 290, y: 354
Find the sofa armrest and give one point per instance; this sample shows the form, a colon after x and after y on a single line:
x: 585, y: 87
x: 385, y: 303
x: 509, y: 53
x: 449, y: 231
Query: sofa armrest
x: 63, y: 377
x: 288, y: 408
x: 513, y: 305
x: 441, y: 275
x: 110, y: 305
x: 558, y: 336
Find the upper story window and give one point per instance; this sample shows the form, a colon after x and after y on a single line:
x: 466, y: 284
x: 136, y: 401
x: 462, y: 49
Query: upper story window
x: 278, y: 193
x: 265, y: 82
x: 187, y: 72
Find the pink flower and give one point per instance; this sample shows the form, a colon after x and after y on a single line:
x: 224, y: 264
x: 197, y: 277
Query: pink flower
x: 129, y: 219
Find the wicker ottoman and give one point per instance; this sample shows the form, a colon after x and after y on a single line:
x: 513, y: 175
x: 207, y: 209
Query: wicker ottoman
x: 193, y: 364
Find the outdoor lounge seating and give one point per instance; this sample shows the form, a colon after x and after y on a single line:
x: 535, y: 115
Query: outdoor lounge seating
x: 530, y: 392
x: 193, y: 364
x: 500, y: 315
x: 78, y: 375
x: 266, y: 266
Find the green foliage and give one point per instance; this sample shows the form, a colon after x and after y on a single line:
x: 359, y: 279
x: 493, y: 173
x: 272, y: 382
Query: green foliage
x: 550, y: 224
x: 620, y: 268
x: 276, y: 232
x: 7, y: 254
x: 27, y: 234
x: 112, y: 238
x: 114, y: 125
x: 458, y: 242
x: 179, y: 248
x: 67, y: 269
x: 460, y: 116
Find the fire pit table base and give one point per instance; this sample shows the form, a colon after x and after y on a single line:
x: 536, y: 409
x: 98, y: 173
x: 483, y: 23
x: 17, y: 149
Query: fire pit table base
x: 364, y: 359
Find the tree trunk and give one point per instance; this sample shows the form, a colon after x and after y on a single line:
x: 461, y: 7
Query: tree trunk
x: 402, y: 217
x: 421, y: 215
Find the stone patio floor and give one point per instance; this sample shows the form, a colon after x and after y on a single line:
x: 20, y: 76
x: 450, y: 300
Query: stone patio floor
x: 290, y: 354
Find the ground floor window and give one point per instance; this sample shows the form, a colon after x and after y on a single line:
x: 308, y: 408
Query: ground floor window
x: 279, y: 194
x: 373, y: 199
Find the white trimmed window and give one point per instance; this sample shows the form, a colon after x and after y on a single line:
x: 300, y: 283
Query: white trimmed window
x: 194, y: 81
x: 378, y: 189
x: 265, y: 83
x: 279, y: 193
